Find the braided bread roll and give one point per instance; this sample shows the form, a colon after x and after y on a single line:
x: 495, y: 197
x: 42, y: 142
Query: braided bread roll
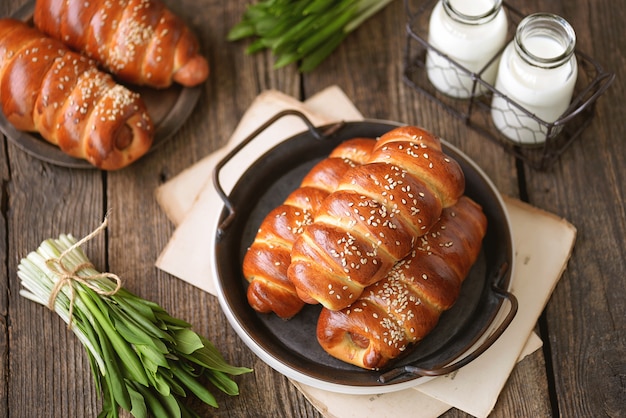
x: 140, y: 41
x: 405, y: 306
x: 266, y: 261
x: 374, y: 218
x: 46, y: 88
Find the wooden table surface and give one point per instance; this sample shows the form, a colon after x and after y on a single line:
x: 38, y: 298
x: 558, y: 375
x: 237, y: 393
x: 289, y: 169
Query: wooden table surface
x: 581, y: 370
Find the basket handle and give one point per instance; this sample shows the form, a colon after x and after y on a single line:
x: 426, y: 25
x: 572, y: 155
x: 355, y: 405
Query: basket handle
x: 440, y: 371
x: 317, y: 133
x: 593, y: 91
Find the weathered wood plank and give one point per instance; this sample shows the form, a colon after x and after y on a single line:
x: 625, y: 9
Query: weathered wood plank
x: 43, y: 368
x: 585, y: 315
x: 4, y: 282
x: 46, y: 361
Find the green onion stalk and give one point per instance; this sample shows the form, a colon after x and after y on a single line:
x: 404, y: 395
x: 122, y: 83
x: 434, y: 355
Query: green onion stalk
x: 304, y: 31
x: 143, y: 360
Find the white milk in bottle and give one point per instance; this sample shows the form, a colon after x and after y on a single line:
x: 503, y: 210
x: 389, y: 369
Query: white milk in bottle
x: 537, y: 72
x: 470, y: 33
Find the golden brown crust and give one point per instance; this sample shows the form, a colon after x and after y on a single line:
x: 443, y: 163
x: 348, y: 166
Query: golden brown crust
x: 406, y: 305
x: 411, y: 201
x: 459, y: 249
x: 266, y: 262
x: 119, y: 112
x: 59, y: 118
x: 275, y: 294
x: 140, y: 41
x: 375, y: 217
x: 25, y: 59
x: 46, y: 88
x: 368, y: 221
x: 419, y: 152
x: 51, y: 23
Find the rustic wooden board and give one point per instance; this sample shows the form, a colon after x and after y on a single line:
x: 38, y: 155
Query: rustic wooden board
x: 44, y: 369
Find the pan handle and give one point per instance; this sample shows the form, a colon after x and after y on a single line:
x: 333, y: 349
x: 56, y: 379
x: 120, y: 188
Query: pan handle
x: 440, y: 371
x: 317, y: 133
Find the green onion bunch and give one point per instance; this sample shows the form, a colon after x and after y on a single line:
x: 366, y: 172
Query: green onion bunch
x: 143, y: 360
x: 304, y: 31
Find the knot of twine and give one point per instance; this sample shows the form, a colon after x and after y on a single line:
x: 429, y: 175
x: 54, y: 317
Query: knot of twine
x: 67, y: 276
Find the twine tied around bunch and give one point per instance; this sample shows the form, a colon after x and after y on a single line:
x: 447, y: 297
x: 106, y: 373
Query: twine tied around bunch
x: 67, y: 276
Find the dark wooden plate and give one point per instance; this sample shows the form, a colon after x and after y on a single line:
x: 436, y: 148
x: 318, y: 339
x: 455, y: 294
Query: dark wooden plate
x: 169, y: 109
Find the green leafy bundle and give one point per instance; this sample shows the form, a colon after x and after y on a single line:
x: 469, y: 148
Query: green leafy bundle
x: 307, y: 31
x: 143, y: 360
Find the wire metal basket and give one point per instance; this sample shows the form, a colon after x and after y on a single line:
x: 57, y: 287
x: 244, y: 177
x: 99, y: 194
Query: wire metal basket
x: 475, y: 111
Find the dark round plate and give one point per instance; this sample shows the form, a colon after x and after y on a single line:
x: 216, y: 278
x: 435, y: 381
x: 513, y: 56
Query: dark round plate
x: 169, y: 109
x: 290, y: 346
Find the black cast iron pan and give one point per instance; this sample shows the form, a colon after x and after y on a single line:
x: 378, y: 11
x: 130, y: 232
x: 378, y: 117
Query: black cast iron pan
x: 290, y: 347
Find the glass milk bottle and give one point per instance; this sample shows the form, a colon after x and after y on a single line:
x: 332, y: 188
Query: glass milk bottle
x: 470, y: 33
x: 538, y: 71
